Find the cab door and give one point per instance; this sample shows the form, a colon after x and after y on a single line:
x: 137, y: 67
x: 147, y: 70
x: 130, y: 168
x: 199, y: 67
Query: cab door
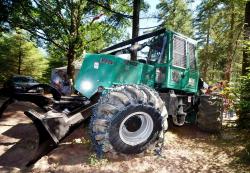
x: 178, y: 69
x: 191, y: 84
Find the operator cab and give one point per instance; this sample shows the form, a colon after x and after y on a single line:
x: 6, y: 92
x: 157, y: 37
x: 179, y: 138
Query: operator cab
x: 152, y: 51
x: 149, y: 51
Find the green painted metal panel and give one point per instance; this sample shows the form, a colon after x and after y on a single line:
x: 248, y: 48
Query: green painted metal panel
x: 148, y: 75
x: 107, y: 70
x: 180, y: 78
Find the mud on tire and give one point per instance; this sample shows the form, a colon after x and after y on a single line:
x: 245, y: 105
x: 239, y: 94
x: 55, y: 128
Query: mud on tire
x: 127, y: 119
x: 209, y: 116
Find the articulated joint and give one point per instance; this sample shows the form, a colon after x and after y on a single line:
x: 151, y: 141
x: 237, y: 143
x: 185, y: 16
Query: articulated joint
x: 179, y: 118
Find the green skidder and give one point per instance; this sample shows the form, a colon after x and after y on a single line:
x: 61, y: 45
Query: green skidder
x: 136, y: 97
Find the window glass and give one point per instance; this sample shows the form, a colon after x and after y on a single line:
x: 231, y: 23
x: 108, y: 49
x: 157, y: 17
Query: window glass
x: 21, y: 79
x: 156, y: 49
x: 191, y: 50
x: 179, y: 52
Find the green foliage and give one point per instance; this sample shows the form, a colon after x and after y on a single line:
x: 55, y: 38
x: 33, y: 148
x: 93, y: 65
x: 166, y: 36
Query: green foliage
x: 20, y: 56
x: 72, y: 26
x: 95, y: 161
x: 56, y: 58
x: 81, y: 141
x: 219, y: 26
x: 176, y: 16
x: 246, y: 45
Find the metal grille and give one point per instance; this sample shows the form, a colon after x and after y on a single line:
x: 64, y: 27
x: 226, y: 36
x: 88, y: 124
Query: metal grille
x: 179, y: 55
x: 192, y: 61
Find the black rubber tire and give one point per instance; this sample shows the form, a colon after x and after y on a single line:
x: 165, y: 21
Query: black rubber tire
x: 209, y: 116
x: 113, y: 107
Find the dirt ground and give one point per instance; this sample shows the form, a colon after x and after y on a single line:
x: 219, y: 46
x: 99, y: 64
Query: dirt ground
x: 186, y: 149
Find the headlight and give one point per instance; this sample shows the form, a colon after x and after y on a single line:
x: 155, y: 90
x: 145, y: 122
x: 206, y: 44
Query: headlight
x: 17, y: 87
x: 86, y: 85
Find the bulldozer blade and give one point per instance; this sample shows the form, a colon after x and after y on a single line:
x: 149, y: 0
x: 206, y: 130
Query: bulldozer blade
x: 53, y: 127
x: 5, y: 105
x: 46, y: 141
x: 37, y: 99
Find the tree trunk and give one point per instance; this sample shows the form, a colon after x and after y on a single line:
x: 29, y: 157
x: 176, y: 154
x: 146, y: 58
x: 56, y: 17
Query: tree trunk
x: 228, y: 67
x: 244, y: 118
x: 71, y: 58
x: 19, y: 63
x: 205, y: 64
x: 135, y: 27
x: 246, y: 58
x: 72, y: 43
x: 19, y: 58
x: 174, y: 14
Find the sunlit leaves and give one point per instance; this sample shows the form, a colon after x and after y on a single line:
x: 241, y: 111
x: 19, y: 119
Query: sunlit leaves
x: 219, y: 37
x: 176, y: 16
x: 17, y: 52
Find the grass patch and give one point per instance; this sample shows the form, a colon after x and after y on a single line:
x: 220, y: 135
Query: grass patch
x: 95, y: 161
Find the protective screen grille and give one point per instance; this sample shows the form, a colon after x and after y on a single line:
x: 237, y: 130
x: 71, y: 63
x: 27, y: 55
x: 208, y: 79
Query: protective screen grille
x: 179, y: 54
x: 192, y: 61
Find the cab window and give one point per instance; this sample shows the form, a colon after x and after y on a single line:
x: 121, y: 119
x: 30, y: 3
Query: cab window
x: 155, y: 51
x: 179, y: 52
x: 191, y: 51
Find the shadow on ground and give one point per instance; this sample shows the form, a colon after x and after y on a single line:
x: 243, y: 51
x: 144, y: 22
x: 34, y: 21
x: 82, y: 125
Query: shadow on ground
x: 18, y: 153
x: 187, y: 149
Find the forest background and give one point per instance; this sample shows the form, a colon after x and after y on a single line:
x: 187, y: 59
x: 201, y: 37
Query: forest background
x: 37, y: 36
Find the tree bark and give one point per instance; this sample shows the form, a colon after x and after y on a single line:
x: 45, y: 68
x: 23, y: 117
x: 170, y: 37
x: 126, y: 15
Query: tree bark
x: 246, y: 58
x: 244, y: 118
x: 19, y: 57
x: 135, y: 27
x: 205, y: 64
x: 72, y: 42
x: 19, y: 62
x: 228, y: 67
x: 71, y: 57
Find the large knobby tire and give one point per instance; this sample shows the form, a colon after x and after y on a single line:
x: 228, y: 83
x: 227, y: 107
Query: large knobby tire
x: 209, y: 116
x: 127, y: 119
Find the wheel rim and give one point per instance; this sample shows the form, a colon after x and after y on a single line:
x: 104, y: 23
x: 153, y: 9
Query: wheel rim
x: 136, y: 128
